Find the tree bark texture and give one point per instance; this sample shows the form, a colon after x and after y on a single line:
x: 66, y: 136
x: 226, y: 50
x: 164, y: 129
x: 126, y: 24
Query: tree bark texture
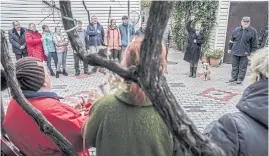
x: 188, y: 137
x: 88, y: 12
x: 36, y: 115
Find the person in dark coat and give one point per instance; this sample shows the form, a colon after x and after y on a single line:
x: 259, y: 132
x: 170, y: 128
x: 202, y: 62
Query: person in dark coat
x: 195, y: 41
x: 141, y: 30
x: 243, y: 41
x: 245, y: 133
x: 17, y: 40
x: 96, y: 34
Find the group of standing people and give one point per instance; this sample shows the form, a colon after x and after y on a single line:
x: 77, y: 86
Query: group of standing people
x: 45, y: 46
x: 128, y: 118
x: 48, y: 45
x: 243, y: 42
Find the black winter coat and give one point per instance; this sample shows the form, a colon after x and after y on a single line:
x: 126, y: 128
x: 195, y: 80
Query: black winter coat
x: 244, y: 133
x: 17, y: 41
x: 193, y: 50
x: 243, y: 41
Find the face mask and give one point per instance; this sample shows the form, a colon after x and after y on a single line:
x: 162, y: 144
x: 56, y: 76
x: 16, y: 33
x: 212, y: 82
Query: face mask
x: 198, y: 27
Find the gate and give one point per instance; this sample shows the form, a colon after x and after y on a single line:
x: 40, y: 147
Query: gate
x: 257, y: 11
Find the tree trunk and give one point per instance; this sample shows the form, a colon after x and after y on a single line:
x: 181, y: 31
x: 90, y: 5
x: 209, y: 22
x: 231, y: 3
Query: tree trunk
x: 36, y: 115
x: 188, y: 137
x: 148, y: 75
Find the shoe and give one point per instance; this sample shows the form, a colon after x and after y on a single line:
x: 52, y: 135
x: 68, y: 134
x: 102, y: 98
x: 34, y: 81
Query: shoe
x: 52, y: 73
x: 194, y: 72
x: 87, y: 73
x: 191, y: 72
x: 94, y: 70
x: 232, y: 80
x: 77, y: 74
x: 101, y: 70
x: 57, y: 74
x: 65, y: 73
x: 239, y: 82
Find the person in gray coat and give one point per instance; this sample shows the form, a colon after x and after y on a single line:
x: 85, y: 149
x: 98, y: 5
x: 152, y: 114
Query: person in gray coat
x: 243, y: 41
x: 16, y: 37
x: 85, y: 43
x: 245, y: 133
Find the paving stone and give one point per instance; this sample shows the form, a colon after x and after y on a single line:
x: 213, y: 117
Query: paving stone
x: 201, y: 108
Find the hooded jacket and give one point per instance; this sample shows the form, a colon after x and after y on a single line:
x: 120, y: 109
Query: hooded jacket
x: 25, y: 133
x: 117, y: 127
x: 34, y: 45
x: 95, y: 38
x: 113, y: 38
x: 124, y: 33
x: 48, y: 43
x: 244, y: 133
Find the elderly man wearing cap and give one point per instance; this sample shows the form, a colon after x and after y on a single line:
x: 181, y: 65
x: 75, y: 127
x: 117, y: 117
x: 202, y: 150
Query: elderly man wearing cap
x: 34, y: 80
x: 243, y: 42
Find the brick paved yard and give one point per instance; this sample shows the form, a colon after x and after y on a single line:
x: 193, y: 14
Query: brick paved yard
x: 204, y: 101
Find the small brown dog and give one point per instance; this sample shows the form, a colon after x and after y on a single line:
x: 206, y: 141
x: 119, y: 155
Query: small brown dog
x: 206, y: 71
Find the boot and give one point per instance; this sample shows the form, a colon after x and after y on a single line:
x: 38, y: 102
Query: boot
x: 86, y: 72
x: 65, y: 73
x: 191, y: 72
x: 77, y: 73
x: 194, y: 72
x: 52, y: 73
x: 57, y: 74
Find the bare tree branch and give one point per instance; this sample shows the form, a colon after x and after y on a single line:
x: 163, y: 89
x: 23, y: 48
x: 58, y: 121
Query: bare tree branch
x: 88, y: 12
x: 51, y: 5
x: 190, y: 140
x: 148, y: 74
x: 36, y: 115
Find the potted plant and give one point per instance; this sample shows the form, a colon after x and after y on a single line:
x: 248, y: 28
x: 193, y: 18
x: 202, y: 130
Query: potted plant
x: 215, y: 56
x: 205, y: 58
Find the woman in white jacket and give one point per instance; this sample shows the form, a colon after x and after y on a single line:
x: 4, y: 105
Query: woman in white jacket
x: 61, y: 43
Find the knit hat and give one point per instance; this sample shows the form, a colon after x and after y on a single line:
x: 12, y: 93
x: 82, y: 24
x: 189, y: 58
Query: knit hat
x: 30, y: 73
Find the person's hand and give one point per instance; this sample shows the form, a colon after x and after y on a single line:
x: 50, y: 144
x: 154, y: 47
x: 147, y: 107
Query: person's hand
x: 229, y: 51
x: 192, y: 17
x: 98, y: 31
x: 80, y: 105
x: 194, y: 41
x: 22, y: 47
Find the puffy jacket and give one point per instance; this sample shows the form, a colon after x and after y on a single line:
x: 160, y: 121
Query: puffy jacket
x: 243, y: 41
x: 48, y: 43
x: 124, y: 34
x: 95, y: 38
x: 25, y: 133
x: 113, y: 38
x: 34, y: 45
x: 61, y: 43
x: 244, y: 133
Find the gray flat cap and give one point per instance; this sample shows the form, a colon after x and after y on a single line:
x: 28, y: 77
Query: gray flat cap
x: 246, y: 19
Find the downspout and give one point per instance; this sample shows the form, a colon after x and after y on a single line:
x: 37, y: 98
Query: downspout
x: 128, y: 22
x: 225, y: 37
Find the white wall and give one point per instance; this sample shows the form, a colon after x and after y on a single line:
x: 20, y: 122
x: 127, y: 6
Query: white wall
x: 33, y: 11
